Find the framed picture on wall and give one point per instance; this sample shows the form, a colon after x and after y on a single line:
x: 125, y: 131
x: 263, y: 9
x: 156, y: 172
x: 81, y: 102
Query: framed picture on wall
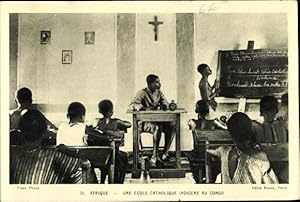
x: 45, y: 37
x: 89, y: 38
x: 66, y: 56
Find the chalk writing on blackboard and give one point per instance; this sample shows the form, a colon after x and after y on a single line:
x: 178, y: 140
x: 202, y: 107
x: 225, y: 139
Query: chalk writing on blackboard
x: 252, y: 73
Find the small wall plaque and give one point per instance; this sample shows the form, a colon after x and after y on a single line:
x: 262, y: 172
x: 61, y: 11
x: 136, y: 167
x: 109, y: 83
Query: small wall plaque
x: 45, y: 37
x: 67, y: 57
x: 89, y: 38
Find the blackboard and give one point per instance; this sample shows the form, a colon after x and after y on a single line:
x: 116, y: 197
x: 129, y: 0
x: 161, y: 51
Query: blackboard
x: 252, y: 73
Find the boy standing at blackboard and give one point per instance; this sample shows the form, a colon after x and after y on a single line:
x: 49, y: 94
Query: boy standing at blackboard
x: 207, y: 91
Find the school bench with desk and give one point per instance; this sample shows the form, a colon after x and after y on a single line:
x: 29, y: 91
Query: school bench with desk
x: 203, y: 139
x: 90, y: 156
x: 98, y: 156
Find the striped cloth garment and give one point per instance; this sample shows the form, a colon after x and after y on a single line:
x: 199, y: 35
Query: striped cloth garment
x: 43, y: 166
x: 249, y: 170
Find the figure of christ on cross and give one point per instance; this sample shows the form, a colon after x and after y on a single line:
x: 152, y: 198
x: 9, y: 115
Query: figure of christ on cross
x: 155, y: 23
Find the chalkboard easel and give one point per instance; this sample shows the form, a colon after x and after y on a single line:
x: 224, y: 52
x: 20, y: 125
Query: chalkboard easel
x: 252, y: 73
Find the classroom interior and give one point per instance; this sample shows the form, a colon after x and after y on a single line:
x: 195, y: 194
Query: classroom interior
x: 125, y: 50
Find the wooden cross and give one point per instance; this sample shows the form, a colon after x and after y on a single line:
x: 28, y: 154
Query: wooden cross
x: 155, y: 23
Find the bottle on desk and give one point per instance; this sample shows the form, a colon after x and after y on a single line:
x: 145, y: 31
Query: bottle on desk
x: 172, y: 105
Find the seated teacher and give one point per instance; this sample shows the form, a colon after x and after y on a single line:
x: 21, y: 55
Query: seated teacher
x: 151, y: 98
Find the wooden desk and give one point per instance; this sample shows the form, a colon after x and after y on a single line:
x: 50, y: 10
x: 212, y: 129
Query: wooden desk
x: 154, y: 116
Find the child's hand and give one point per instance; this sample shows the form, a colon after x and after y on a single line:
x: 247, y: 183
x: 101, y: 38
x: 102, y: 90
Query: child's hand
x: 217, y: 91
x: 213, y: 152
x: 213, y: 104
x: 191, y: 124
x: 215, y: 83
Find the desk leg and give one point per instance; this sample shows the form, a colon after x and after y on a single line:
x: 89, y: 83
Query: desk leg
x: 178, y: 153
x: 135, y: 173
x: 206, y: 164
x: 111, y: 177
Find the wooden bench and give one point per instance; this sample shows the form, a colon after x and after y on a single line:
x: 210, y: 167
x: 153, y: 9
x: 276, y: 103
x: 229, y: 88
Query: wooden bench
x: 276, y: 152
x: 98, y: 156
x: 89, y: 157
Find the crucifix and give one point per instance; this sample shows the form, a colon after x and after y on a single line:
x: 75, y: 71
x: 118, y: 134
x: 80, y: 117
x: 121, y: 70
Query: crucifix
x: 155, y: 23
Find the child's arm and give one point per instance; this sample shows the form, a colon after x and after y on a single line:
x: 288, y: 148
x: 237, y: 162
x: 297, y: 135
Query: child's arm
x: 214, y: 86
x: 216, y: 152
x: 220, y: 125
x: 192, y: 125
x: 213, y: 152
x: 58, y: 136
x: 51, y: 125
x: 211, y: 96
x: 114, y: 134
x: 123, y: 125
x: 110, y: 133
x: 97, y: 135
x: 91, y: 131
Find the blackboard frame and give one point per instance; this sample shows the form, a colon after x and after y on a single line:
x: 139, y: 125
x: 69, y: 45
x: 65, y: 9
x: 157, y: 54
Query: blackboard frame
x: 254, y: 93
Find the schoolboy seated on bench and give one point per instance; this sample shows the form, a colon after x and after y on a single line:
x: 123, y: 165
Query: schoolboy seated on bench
x: 76, y: 132
x: 197, y: 125
x: 112, y: 128
x: 23, y: 99
x: 244, y: 162
x: 272, y: 131
x: 33, y: 164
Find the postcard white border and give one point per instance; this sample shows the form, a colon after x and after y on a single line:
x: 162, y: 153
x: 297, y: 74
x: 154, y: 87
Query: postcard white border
x: 116, y: 192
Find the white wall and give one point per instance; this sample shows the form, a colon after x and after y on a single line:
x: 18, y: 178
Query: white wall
x: 157, y: 57
x: 232, y: 31
x: 93, y: 74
